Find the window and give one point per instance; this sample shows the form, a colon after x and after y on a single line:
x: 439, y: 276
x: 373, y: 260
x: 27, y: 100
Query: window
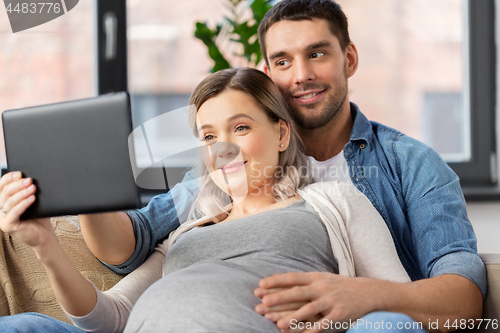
x: 165, y: 63
x: 51, y: 63
x: 427, y: 68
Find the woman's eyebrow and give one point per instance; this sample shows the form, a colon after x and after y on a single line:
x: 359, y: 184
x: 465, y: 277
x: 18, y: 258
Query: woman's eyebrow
x: 204, y: 127
x: 239, y: 115
x: 236, y: 116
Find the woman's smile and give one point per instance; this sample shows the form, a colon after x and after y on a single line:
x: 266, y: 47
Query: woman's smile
x: 232, y: 167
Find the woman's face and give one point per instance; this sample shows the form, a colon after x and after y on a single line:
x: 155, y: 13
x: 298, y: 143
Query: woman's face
x: 241, y: 144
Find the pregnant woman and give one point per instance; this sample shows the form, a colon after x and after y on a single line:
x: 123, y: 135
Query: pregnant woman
x: 255, y: 215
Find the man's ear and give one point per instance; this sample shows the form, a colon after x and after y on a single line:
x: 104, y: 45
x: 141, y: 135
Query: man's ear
x: 352, y: 59
x: 266, y: 70
x: 284, y: 138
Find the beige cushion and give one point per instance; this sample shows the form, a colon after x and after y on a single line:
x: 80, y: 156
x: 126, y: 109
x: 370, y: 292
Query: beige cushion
x: 24, y: 283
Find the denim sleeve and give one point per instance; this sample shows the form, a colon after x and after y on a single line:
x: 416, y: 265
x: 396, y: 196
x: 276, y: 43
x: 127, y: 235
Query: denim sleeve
x: 442, y: 234
x: 154, y: 222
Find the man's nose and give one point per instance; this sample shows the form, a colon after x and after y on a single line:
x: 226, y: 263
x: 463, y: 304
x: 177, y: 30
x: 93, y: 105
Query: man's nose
x: 303, y: 71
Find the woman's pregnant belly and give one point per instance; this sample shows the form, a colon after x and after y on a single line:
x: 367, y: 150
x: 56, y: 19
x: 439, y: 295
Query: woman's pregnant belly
x: 212, y: 296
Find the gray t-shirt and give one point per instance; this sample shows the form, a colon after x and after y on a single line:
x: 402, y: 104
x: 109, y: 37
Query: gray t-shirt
x: 212, y: 271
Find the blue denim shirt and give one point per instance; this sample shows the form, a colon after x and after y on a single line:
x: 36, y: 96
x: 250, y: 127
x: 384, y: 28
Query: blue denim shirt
x: 410, y: 185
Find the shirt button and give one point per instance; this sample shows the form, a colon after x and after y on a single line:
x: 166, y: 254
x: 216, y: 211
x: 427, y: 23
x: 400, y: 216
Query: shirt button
x: 362, y: 146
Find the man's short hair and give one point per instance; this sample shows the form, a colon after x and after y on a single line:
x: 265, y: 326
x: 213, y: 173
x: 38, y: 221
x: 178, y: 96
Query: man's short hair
x: 297, y: 10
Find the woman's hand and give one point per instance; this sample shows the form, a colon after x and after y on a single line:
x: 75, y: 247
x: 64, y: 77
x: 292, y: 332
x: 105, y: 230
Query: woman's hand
x: 75, y: 294
x: 16, y: 195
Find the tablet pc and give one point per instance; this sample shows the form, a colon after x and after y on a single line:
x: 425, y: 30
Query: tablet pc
x: 76, y: 153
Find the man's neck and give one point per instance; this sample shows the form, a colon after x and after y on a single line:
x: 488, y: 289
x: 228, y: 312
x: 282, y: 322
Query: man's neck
x: 327, y: 141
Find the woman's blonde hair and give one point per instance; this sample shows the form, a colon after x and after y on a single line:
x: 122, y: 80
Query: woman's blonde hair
x: 211, y: 201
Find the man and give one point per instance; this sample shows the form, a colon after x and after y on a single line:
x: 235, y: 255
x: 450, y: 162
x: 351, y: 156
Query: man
x: 310, y: 57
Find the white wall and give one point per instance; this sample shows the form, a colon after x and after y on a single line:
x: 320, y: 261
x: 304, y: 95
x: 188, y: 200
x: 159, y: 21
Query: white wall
x: 485, y: 218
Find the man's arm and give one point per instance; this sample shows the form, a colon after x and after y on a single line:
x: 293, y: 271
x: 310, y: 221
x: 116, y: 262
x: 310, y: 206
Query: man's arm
x: 124, y: 240
x: 109, y: 236
x: 341, y: 299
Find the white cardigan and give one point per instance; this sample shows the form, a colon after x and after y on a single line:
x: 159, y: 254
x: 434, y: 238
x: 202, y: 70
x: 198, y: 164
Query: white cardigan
x: 360, y: 239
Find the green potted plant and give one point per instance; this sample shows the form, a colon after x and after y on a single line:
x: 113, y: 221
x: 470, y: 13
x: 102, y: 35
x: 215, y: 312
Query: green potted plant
x: 237, y: 30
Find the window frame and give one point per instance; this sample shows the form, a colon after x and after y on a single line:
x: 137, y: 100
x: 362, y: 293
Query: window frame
x: 481, y: 171
x: 112, y: 73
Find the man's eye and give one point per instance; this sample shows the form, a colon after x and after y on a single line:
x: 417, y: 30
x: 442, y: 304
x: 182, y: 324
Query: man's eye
x: 317, y: 54
x: 282, y: 63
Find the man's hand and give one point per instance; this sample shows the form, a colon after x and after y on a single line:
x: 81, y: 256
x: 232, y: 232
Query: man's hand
x: 315, y: 296
x: 302, y: 296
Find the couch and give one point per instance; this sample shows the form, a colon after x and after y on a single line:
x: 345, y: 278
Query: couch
x: 25, y: 287
x: 24, y: 283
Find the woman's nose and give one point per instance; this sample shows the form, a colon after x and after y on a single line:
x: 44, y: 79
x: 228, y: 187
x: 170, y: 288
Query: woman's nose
x: 226, y: 150
x: 219, y: 153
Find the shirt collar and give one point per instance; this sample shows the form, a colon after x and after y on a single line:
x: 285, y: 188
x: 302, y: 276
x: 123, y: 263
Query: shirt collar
x: 362, y: 128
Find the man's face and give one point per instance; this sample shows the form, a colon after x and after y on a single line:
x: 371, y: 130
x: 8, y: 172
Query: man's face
x: 308, y: 65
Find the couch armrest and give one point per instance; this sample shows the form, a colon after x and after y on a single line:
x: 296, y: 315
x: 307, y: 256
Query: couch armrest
x: 491, y: 309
